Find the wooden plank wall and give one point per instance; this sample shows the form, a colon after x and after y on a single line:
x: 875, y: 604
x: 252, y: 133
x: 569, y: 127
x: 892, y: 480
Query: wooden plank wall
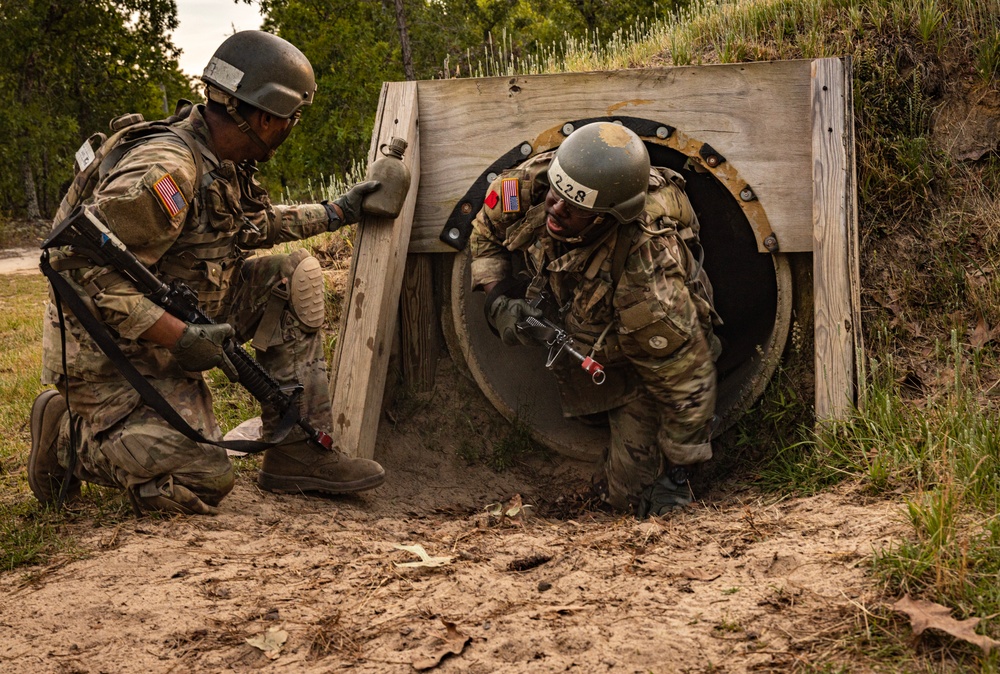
x: 786, y: 127
x: 360, y: 361
x: 754, y: 114
x: 835, y: 292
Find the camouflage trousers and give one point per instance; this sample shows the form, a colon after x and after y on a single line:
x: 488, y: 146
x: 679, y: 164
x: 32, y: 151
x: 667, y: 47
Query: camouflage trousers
x: 650, y: 435
x: 141, y: 446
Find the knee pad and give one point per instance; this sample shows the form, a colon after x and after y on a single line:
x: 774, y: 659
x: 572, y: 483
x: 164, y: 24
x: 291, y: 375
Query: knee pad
x: 305, y: 294
x: 298, y: 298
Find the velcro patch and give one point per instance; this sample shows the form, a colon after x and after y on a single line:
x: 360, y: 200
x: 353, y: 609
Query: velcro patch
x: 169, y: 194
x: 491, y: 199
x: 511, y: 195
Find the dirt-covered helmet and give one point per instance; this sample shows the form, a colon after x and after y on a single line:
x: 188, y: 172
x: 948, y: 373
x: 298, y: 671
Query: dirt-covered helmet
x: 604, y: 168
x: 263, y: 70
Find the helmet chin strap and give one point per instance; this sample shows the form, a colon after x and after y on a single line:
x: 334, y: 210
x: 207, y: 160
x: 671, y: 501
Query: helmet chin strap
x: 231, y: 102
x: 582, y: 236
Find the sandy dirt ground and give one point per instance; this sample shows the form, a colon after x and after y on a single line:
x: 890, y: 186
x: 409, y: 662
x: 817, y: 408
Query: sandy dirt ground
x: 20, y: 260
x: 738, y: 583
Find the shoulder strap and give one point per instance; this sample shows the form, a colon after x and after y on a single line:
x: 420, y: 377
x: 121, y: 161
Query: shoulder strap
x: 64, y: 292
x: 623, y: 246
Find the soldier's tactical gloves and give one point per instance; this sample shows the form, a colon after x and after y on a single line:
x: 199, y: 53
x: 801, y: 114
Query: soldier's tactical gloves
x: 350, y: 202
x: 200, y: 348
x: 506, y: 313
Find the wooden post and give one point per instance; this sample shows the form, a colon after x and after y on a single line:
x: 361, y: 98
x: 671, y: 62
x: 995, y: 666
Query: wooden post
x: 419, y: 323
x: 834, y: 241
x: 369, y: 320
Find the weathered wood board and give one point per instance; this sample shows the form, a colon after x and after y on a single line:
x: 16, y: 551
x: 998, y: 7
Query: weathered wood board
x: 836, y: 295
x: 368, y: 323
x: 757, y: 115
x: 785, y: 128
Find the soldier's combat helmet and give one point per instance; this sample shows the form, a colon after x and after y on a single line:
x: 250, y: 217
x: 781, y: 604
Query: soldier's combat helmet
x: 604, y: 168
x: 263, y: 70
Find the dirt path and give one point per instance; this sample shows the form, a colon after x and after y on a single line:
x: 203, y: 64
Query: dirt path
x: 737, y: 584
x: 19, y: 260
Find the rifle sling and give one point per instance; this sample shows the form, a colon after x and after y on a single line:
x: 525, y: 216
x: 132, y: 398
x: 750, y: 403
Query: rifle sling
x: 99, y: 332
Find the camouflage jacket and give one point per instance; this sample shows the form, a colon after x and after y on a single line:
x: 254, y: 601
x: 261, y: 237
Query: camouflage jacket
x: 647, y: 314
x: 195, y: 230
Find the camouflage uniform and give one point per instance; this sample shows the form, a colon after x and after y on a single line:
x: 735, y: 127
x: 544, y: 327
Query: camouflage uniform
x: 198, y: 235
x: 658, y: 347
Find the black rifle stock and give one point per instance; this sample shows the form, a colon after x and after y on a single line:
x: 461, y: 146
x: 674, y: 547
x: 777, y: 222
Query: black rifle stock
x: 89, y: 236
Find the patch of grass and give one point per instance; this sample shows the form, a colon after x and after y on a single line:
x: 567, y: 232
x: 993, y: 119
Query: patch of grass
x: 28, y: 535
x: 22, y: 303
x: 515, y: 443
x: 231, y: 403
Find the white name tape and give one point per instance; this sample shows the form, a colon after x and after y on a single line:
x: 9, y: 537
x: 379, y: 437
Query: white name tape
x: 84, y: 155
x: 226, y: 74
x: 574, y: 192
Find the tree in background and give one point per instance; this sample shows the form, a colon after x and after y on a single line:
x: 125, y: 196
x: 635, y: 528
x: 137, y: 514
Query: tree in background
x: 68, y: 68
x: 354, y: 46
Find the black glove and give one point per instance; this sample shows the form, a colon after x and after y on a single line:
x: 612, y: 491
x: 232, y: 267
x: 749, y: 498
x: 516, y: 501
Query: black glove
x: 505, y: 313
x: 200, y: 348
x: 350, y: 202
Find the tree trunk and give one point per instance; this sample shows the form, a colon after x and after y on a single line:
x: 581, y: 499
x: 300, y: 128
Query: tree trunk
x: 404, y: 41
x: 30, y: 193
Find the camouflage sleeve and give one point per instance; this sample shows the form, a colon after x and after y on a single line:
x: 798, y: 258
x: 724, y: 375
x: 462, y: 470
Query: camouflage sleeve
x: 145, y: 200
x: 494, y: 230
x: 490, y: 258
x: 291, y: 223
x: 660, y: 333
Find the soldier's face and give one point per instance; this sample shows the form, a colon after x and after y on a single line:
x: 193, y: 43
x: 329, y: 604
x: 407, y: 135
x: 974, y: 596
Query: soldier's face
x: 563, y: 219
x: 275, y: 130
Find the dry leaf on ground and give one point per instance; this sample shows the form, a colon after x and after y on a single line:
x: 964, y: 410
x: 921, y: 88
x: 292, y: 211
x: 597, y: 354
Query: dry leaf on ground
x: 924, y: 614
x: 270, y: 641
x: 453, y: 643
x: 425, y: 559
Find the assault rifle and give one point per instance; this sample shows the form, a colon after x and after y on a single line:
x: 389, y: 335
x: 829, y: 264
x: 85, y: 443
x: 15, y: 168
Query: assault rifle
x: 89, y: 236
x: 558, y: 340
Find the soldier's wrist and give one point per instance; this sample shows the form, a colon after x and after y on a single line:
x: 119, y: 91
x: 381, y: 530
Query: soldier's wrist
x: 335, y: 219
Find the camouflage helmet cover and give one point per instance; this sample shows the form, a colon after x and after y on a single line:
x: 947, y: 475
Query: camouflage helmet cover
x: 604, y: 168
x: 263, y: 70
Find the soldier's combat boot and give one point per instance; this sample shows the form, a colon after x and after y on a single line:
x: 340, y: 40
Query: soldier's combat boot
x: 45, y: 475
x: 300, y: 466
x: 671, y: 490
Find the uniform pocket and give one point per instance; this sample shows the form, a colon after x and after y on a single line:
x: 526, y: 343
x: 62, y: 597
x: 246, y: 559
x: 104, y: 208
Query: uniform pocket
x: 648, y: 327
x: 222, y: 201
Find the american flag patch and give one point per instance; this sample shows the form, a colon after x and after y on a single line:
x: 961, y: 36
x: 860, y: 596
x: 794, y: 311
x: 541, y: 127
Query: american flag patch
x: 511, y: 195
x: 170, y: 196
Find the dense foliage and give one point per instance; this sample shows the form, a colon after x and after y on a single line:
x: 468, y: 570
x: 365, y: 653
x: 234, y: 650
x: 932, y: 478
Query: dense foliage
x: 356, y: 45
x: 72, y: 66
x: 68, y: 68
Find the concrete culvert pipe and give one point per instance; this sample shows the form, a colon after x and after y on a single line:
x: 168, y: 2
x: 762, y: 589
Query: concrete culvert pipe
x: 753, y: 294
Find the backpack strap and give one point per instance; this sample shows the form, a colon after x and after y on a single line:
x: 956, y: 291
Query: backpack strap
x: 629, y: 239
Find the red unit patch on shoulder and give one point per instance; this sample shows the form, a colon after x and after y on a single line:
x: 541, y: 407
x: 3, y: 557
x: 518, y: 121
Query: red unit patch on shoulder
x: 491, y: 199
